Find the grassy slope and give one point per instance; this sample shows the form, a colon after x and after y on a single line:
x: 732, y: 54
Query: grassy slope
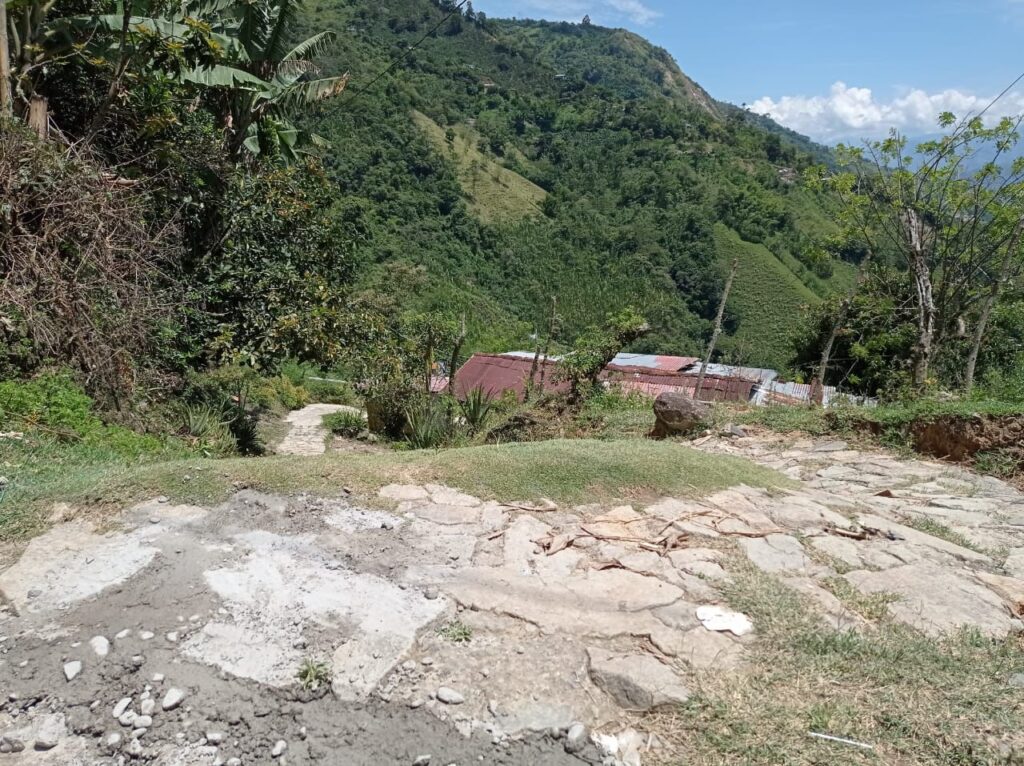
x: 565, y: 471
x: 767, y: 298
x: 495, y: 193
x: 913, y: 699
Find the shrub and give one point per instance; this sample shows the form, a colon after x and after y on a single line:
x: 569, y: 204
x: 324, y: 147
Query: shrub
x: 476, y: 408
x: 292, y: 396
x: 331, y: 392
x: 347, y: 424
x: 428, y: 424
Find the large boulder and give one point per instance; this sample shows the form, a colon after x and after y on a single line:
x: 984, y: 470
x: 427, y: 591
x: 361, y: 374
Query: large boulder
x: 678, y: 414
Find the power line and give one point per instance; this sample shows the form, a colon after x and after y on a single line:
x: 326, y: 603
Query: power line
x: 404, y: 56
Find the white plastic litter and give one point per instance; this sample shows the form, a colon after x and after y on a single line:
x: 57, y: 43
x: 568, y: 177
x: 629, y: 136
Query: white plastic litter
x: 719, y: 619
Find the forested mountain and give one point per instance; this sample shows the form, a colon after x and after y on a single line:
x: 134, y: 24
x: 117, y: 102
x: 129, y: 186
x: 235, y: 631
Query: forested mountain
x: 499, y: 163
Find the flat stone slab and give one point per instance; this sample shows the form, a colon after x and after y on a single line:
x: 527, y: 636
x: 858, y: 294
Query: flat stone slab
x: 279, y: 590
x: 776, y: 553
x: 937, y: 599
x: 636, y: 681
x: 911, y: 535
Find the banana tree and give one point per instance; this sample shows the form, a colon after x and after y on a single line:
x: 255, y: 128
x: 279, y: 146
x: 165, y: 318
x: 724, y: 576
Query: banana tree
x: 236, y: 51
x: 268, y: 80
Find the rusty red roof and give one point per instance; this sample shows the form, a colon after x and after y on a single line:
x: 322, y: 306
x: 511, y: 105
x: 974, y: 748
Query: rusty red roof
x: 495, y: 374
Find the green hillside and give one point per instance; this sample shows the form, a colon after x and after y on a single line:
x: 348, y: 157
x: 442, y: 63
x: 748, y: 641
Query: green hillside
x: 495, y: 193
x: 766, y: 300
x: 500, y: 163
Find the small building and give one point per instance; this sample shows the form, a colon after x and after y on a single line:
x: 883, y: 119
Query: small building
x: 497, y: 374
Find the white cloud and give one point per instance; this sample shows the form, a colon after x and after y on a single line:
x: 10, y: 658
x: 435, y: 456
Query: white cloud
x: 610, y: 12
x: 850, y: 113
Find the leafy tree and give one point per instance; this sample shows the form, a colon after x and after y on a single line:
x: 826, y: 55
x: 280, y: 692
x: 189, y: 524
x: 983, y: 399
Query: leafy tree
x: 955, y: 231
x: 596, y: 347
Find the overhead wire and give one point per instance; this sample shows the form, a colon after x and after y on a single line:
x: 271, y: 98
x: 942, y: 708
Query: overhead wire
x: 400, y: 59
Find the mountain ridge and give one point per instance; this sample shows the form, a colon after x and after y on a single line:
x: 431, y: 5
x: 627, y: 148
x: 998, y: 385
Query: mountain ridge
x: 636, y: 163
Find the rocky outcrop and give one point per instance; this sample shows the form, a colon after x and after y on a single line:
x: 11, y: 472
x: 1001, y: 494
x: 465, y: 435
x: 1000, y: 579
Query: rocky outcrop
x: 678, y: 414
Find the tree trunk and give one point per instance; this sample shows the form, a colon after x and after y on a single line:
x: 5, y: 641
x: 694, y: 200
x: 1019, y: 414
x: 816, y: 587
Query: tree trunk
x: 456, y: 350
x: 990, y: 302
x: 547, y: 342
x: 6, y: 97
x: 924, y: 346
x: 39, y: 117
x: 718, y: 329
x: 818, y: 388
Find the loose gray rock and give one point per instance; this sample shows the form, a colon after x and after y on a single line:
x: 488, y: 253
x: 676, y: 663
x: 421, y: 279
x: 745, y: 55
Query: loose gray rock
x: 147, y: 707
x: 100, y: 645
x: 577, y: 738
x: 121, y: 706
x: 72, y: 669
x: 143, y: 722
x: 1016, y: 681
x: 279, y: 748
x: 49, y: 731
x: 421, y: 760
x: 146, y: 635
x: 214, y: 737
x: 449, y: 696
x: 172, y: 699
x: 134, y: 748
x: 113, y: 740
x: 127, y: 718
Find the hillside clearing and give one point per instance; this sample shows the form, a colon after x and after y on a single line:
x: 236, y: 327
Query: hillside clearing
x: 767, y: 299
x: 494, y: 193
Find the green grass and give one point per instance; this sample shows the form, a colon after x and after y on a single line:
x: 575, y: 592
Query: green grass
x: 495, y: 193
x: 567, y: 471
x: 941, y: 531
x: 914, y: 699
x: 767, y: 298
x: 456, y: 631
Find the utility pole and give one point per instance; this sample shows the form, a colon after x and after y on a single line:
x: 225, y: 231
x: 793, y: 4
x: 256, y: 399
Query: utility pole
x: 718, y: 328
x: 6, y: 98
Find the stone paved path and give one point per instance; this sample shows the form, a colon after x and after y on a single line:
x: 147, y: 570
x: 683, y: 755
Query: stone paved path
x: 576, y: 618
x: 307, y: 435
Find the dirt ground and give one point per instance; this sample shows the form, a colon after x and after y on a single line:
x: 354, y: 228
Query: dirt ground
x: 436, y: 628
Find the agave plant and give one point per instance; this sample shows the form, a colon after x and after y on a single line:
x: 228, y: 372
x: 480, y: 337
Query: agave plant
x: 476, y: 408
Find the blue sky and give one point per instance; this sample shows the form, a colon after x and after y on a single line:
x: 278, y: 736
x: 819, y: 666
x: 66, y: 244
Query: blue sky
x: 834, y: 69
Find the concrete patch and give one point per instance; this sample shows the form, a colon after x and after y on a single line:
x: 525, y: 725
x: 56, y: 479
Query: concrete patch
x: 71, y: 563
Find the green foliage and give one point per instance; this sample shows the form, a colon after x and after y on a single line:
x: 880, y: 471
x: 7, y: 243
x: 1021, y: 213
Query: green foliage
x: 428, y: 424
x: 313, y: 674
x: 456, y: 631
x: 629, y: 162
x: 275, y: 287
x: 476, y: 409
x: 343, y: 423
x: 331, y: 392
x: 595, y: 348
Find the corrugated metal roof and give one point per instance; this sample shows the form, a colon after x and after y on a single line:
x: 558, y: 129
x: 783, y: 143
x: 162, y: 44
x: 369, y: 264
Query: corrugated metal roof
x: 527, y: 355
x: 497, y: 373
x: 653, y: 361
x: 654, y: 382
x: 756, y: 374
x: 780, y: 393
